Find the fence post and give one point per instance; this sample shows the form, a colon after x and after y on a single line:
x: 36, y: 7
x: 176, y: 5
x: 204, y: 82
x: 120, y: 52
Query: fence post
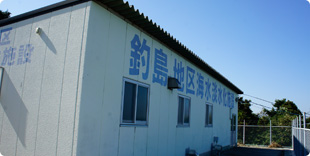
x: 299, y: 138
x: 293, y: 134
x: 270, y: 134
x: 305, y: 151
x: 243, y: 141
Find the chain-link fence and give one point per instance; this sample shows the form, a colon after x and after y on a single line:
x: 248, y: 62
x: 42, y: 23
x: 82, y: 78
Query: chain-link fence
x: 282, y: 135
x: 265, y: 135
x: 248, y: 134
x: 301, y: 137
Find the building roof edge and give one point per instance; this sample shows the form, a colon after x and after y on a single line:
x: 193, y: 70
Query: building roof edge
x: 129, y: 13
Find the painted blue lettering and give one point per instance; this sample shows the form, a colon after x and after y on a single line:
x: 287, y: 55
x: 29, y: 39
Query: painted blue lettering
x: 190, y: 87
x: 4, y: 36
x: 224, y: 97
x: 24, y: 54
x: 214, y: 91
x: 138, y: 57
x: 208, y: 90
x: 160, y: 68
x: 178, y: 70
x: 228, y: 99
x: 8, y: 56
x: 200, y: 84
x: 220, y: 91
x: 232, y: 100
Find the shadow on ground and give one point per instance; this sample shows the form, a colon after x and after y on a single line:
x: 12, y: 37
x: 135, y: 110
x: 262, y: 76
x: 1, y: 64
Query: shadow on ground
x: 246, y: 151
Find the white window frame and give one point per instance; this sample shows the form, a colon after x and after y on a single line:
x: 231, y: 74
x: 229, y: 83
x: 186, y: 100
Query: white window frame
x: 135, y: 123
x: 189, y: 112
x: 207, y: 124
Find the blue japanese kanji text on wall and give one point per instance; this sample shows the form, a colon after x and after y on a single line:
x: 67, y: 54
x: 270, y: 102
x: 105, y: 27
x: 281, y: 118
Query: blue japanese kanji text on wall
x: 192, y: 81
x: 13, y: 55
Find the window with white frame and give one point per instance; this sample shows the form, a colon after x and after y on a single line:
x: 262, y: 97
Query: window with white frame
x: 184, y: 111
x: 233, y: 122
x: 135, y: 103
x: 209, y: 115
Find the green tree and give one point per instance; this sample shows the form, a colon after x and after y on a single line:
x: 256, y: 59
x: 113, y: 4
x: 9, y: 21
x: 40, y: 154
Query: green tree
x: 283, y: 112
x: 4, y: 14
x: 286, y: 106
x: 245, y: 112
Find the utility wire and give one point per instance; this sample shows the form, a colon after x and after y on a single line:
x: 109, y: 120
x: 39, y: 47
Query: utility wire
x: 270, y: 108
x: 260, y: 105
x: 308, y: 113
x: 259, y: 98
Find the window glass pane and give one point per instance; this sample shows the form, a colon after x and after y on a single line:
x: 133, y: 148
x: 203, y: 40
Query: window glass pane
x: 207, y: 114
x: 187, y: 110
x: 210, y: 114
x: 129, y: 103
x: 180, y: 111
x: 142, y: 101
x: 234, y: 122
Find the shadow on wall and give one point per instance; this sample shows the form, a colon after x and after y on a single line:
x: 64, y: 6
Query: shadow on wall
x: 48, y: 42
x: 299, y: 148
x: 14, y: 108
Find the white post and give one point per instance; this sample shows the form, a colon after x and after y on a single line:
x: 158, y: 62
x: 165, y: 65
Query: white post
x: 243, y: 132
x: 297, y: 130
x: 305, y: 151
x: 270, y: 134
x: 293, y: 134
x: 299, y: 121
x: 299, y: 138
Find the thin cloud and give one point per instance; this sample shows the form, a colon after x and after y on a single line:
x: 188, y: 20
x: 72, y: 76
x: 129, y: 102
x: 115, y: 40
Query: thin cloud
x: 308, y: 1
x: 0, y: 3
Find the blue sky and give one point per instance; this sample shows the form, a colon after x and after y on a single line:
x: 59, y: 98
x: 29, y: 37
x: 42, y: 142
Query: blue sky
x: 263, y: 47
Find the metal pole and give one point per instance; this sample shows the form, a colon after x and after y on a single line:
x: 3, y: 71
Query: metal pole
x: 299, y: 121
x: 305, y: 151
x: 243, y: 132
x: 298, y: 137
x: 293, y: 134
x: 300, y: 143
x: 270, y: 134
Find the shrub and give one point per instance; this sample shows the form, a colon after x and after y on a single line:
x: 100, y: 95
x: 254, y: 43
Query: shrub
x: 275, y: 145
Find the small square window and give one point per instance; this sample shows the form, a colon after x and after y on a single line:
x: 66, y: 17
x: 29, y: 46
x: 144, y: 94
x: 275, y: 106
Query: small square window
x: 135, y: 103
x: 209, y: 115
x: 184, y: 111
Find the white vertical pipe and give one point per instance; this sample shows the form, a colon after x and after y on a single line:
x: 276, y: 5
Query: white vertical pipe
x: 297, y: 132
x: 300, y: 126
x: 270, y: 134
x: 293, y: 134
x: 243, y: 132
x: 299, y: 138
x: 304, y: 117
